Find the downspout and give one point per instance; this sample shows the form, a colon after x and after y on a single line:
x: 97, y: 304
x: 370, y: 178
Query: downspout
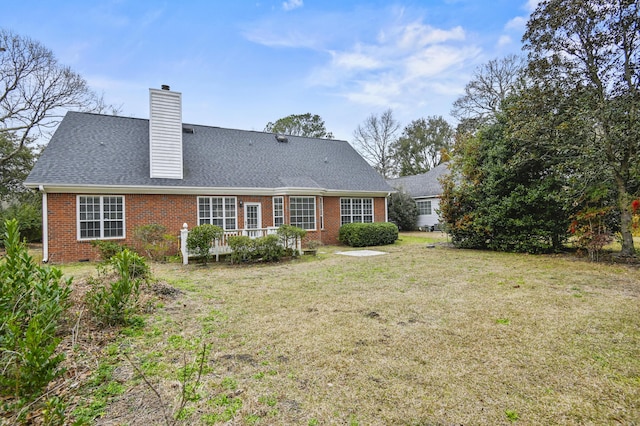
x: 386, y: 207
x: 45, y: 227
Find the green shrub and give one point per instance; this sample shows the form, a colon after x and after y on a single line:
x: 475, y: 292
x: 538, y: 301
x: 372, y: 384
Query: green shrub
x: 29, y: 216
x: 263, y: 249
x: 107, y: 248
x: 113, y: 303
x: 403, y: 211
x: 53, y: 413
x: 242, y: 248
x: 368, y: 234
x: 201, y: 239
x: 130, y: 264
x: 289, y: 236
x: 33, y: 300
x: 268, y: 249
x: 154, y: 240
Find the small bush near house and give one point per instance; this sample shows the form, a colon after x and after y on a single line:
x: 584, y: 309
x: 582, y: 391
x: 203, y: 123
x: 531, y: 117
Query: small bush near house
x: 33, y: 301
x: 154, y: 240
x: 289, y: 237
x: 368, y: 234
x: 268, y: 249
x: 112, y: 303
x: 242, y: 248
x: 201, y: 238
x: 263, y: 249
x: 107, y: 249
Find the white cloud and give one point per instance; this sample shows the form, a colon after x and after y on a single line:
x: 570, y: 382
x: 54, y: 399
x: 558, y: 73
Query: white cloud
x: 448, y: 87
x: 291, y: 38
x: 379, y: 93
x: 433, y: 61
x: 531, y: 5
x: 519, y: 23
x: 403, y: 63
x: 390, y: 60
x: 416, y: 35
x: 354, y: 60
x: 292, y: 4
x: 504, y: 40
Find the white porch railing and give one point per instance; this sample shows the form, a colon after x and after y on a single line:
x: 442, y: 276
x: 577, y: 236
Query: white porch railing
x: 222, y: 246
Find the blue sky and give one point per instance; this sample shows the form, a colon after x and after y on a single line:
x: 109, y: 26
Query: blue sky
x: 241, y: 64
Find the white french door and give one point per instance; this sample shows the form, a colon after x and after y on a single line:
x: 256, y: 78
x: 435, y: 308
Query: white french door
x: 252, y: 216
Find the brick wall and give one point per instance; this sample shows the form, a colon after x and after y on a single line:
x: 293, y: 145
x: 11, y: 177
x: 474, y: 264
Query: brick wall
x: 171, y: 211
x: 332, y: 217
x: 168, y: 210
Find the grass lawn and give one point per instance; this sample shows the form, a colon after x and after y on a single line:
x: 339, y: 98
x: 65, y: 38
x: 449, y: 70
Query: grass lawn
x: 417, y: 336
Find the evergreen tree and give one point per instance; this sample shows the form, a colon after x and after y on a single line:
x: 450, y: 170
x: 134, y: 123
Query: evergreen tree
x: 501, y: 195
x: 403, y: 211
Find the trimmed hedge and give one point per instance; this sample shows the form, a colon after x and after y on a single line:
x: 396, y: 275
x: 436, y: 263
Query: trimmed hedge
x: 368, y: 234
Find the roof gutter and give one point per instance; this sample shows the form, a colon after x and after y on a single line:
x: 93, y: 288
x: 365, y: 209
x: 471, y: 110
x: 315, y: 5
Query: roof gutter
x: 185, y: 190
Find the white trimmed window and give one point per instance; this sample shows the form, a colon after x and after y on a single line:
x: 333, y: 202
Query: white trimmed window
x: 278, y: 211
x: 356, y: 210
x: 219, y: 211
x: 100, y: 216
x: 424, y: 207
x: 302, y: 212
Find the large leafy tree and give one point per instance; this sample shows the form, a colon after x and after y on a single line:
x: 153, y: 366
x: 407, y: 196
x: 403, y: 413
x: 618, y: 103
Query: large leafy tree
x: 586, y: 53
x: 500, y: 194
x: 374, y: 139
x: 424, y: 144
x: 307, y: 125
x: 35, y: 91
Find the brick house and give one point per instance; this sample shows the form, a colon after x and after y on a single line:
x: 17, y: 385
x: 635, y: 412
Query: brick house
x: 101, y: 176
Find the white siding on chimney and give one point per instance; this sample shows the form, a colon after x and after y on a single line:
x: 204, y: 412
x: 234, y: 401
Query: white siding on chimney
x: 165, y: 134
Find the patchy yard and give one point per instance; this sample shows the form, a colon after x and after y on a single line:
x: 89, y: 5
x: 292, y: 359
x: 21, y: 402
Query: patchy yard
x: 416, y: 336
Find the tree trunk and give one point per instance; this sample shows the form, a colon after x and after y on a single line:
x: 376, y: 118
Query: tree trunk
x: 628, y: 249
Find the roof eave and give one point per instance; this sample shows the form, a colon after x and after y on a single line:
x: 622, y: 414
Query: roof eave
x: 183, y: 190
x: 417, y: 197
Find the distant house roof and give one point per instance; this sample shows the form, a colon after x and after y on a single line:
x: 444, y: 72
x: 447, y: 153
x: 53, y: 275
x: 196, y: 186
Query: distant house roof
x: 422, y: 185
x: 109, y: 152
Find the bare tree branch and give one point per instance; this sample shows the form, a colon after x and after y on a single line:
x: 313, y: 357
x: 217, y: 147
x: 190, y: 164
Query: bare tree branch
x: 36, y: 91
x: 490, y: 85
x: 374, y: 138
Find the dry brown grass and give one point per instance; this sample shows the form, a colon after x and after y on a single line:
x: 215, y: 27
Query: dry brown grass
x: 418, y: 336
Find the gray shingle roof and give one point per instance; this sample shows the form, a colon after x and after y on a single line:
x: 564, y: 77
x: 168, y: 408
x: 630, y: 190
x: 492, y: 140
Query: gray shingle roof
x: 104, y: 150
x: 422, y: 185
